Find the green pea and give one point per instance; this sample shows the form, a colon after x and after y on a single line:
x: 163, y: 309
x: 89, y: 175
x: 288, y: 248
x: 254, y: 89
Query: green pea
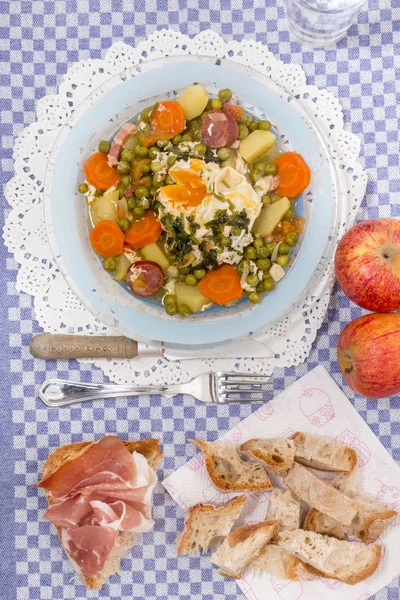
x: 224, y: 153
x: 169, y: 180
x: 147, y: 180
x: 145, y: 114
x: 260, y: 287
x: 240, y: 267
x: 246, y: 119
x: 123, y: 167
x: 262, y: 253
x: 123, y: 224
x: 153, y: 152
x: 141, y: 191
x: 264, y: 264
x: 200, y: 149
x: 187, y: 137
x: 265, y: 125
x: 138, y: 212
x: 171, y: 160
x: 266, y: 200
x: 243, y: 131
x: 125, y: 181
x: 194, y: 125
x: 146, y: 168
x: 184, y: 270
x: 153, y: 191
x: 292, y: 239
x: 169, y: 300
x: 252, y: 279
x: 144, y: 203
x: 216, y: 104
x: 208, y: 106
x: 253, y: 125
x: 171, y: 309
x: 127, y: 155
x: 198, y: 136
x: 258, y: 243
x: 275, y: 197
x: 225, y: 95
x: 181, y: 278
x: 203, y: 114
x: 159, y: 177
x: 199, y: 273
x: 250, y: 252
x: 140, y: 137
x: 104, y: 146
x: 190, y: 280
x: 184, y: 310
x: 270, y: 246
x: 236, y: 231
x: 254, y: 298
x: 83, y: 188
x: 271, y: 169
x: 155, y: 166
x: 284, y: 248
x: 283, y: 260
x: 177, y: 139
x: 121, y: 193
x: 162, y: 143
x: 268, y: 284
x: 131, y: 202
x: 98, y: 193
x: 142, y: 152
x: 289, y: 214
x: 225, y: 240
x: 260, y: 167
x: 110, y: 264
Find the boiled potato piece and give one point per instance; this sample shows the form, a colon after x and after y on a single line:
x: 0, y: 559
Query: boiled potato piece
x: 193, y: 100
x: 256, y: 144
x: 153, y: 252
x: 231, y: 161
x: 191, y: 296
x: 270, y: 217
x: 123, y: 265
x: 105, y: 207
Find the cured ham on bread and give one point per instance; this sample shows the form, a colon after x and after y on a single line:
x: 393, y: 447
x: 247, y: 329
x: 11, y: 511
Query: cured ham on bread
x: 100, y: 495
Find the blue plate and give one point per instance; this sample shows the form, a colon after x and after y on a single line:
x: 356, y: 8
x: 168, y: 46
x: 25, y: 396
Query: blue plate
x: 100, y: 116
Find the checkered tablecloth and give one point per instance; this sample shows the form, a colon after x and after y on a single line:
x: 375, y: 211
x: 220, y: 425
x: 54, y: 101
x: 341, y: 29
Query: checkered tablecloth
x: 39, y: 39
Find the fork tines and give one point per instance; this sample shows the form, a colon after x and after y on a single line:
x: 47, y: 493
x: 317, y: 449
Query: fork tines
x: 243, y: 386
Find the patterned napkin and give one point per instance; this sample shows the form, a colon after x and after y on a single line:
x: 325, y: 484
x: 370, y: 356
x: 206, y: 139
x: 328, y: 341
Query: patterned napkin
x: 313, y: 404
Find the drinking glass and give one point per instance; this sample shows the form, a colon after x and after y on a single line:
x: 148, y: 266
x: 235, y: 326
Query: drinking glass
x: 321, y: 23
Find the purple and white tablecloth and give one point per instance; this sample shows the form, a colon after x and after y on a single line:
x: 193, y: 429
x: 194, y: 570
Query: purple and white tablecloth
x: 38, y: 40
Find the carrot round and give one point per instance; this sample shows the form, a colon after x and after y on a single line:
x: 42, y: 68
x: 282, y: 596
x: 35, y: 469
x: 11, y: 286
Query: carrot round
x: 98, y: 173
x: 294, y: 174
x: 222, y: 285
x: 143, y: 231
x: 167, y: 121
x: 107, y: 239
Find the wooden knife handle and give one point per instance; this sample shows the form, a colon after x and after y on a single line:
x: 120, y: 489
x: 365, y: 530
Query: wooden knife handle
x: 53, y: 346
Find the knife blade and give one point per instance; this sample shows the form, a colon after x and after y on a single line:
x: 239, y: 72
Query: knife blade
x: 49, y: 346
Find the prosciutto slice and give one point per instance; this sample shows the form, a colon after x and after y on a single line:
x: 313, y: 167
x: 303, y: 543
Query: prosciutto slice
x: 103, y: 491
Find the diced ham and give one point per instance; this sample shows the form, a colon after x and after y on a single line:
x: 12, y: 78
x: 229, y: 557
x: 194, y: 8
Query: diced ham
x: 114, y: 154
x: 119, y: 140
x: 89, y: 546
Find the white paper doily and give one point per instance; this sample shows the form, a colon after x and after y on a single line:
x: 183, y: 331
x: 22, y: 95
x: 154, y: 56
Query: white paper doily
x: 58, y: 310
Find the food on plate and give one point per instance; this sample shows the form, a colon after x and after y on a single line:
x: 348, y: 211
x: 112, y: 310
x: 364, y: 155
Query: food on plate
x: 281, y: 564
x: 321, y: 453
x: 284, y: 507
x: 99, y: 496
x: 206, y: 524
x: 242, y: 546
x: 228, y: 471
x: 367, y: 264
x: 369, y: 355
x: 276, y: 455
x: 191, y: 185
x: 347, y: 561
x: 321, y: 495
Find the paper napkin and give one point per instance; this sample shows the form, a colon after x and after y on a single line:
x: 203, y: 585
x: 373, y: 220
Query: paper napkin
x: 313, y: 404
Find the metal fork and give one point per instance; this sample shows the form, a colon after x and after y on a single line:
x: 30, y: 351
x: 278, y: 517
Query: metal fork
x: 209, y: 387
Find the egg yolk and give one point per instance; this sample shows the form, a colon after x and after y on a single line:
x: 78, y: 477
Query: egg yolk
x: 189, y: 189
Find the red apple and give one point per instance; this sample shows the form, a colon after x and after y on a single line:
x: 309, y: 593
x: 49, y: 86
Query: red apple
x: 367, y: 264
x: 369, y: 355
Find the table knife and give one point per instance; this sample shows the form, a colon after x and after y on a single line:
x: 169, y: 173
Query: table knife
x: 56, y: 346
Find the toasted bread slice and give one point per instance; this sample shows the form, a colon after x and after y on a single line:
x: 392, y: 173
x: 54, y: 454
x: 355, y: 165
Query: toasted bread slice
x: 320, y: 495
x: 277, y: 455
x: 321, y: 453
x: 205, y: 523
x: 242, y: 546
x: 229, y: 472
x: 350, y: 562
x: 285, y: 508
x: 281, y: 564
x: 151, y: 450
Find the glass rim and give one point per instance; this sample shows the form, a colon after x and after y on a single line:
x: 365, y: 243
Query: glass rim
x: 328, y: 11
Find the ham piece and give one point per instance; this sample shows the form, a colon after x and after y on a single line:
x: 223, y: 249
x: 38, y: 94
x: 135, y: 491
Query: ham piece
x: 103, y: 491
x: 119, y: 140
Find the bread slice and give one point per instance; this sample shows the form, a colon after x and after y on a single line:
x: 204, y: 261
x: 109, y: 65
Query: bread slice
x: 205, y: 522
x: 350, y: 562
x: 371, y: 521
x: 285, y: 508
x: 150, y: 448
x: 277, y: 455
x: 321, y: 453
x: 281, y: 564
x: 320, y: 495
x: 229, y: 472
x: 242, y: 546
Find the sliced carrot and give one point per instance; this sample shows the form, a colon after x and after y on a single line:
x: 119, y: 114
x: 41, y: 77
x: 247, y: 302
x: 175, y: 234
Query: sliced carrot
x: 167, y: 121
x: 107, y: 239
x: 143, y: 231
x: 98, y: 173
x: 298, y: 224
x: 294, y: 174
x: 236, y: 111
x: 222, y: 285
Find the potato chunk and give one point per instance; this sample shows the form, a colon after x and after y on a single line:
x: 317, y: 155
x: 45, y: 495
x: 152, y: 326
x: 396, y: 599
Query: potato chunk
x: 191, y: 296
x: 270, y: 216
x: 256, y: 144
x: 193, y: 100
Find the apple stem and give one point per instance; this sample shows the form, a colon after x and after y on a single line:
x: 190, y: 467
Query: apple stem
x: 348, y: 370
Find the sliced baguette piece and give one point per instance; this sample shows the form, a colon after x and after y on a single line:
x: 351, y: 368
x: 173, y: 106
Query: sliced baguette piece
x: 320, y: 523
x: 150, y: 448
x: 242, y: 546
x: 206, y: 522
x: 350, y: 562
x: 281, y: 564
x: 321, y: 453
x: 228, y: 471
x: 277, y: 455
x: 320, y: 495
x: 285, y: 508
